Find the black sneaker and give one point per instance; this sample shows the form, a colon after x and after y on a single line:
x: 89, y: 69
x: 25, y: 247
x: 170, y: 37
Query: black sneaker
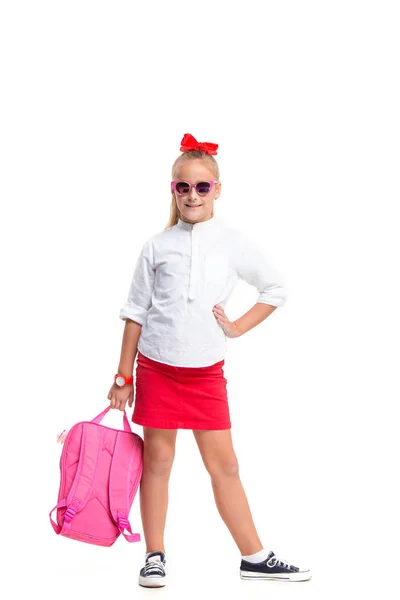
x: 273, y: 568
x: 153, y: 574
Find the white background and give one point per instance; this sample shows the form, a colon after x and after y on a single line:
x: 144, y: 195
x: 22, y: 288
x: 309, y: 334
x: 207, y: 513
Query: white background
x: 303, y: 100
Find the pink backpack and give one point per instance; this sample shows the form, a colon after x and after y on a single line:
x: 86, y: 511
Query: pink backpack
x: 101, y: 469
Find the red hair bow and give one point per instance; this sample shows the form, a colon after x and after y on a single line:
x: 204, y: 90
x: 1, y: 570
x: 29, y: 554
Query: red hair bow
x: 190, y: 143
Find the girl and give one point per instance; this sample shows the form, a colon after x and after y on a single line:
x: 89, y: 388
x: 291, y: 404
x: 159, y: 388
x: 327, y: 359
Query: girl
x: 175, y: 321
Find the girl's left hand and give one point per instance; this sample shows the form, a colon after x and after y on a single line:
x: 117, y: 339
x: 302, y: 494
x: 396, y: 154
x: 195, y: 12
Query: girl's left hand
x: 230, y: 328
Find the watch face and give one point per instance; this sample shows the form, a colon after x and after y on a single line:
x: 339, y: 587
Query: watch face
x: 120, y: 381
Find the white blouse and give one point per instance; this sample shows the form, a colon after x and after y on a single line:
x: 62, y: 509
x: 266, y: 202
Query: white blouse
x: 180, y: 275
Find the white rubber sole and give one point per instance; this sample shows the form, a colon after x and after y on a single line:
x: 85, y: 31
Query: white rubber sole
x: 304, y: 576
x: 152, y: 581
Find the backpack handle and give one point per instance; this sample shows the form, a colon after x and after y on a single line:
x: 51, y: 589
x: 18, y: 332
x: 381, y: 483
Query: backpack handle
x: 100, y: 417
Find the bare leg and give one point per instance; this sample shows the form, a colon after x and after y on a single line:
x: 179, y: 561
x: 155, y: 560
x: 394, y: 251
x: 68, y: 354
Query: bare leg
x: 158, y: 458
x: 221, y: 462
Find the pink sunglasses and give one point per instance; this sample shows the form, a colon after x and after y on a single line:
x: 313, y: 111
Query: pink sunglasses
x: 183, y: 188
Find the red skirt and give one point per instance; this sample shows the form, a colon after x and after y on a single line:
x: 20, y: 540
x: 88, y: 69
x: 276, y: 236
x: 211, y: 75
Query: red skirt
x: 171, y: 397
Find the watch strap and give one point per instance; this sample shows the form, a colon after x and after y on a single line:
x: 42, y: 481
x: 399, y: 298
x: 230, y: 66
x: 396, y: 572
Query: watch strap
x: 127, y: 379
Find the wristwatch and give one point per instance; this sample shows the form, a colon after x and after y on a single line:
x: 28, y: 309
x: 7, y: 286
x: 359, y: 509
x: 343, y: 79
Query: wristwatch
x: 121, y: 380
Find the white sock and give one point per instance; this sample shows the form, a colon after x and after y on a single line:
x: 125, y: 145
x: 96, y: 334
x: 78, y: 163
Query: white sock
x: 148, y: 553
x: 257, y: 557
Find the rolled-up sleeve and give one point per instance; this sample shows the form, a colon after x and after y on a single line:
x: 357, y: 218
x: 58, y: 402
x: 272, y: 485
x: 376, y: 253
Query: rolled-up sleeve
x: 141, y: 287
x: 253, y: 267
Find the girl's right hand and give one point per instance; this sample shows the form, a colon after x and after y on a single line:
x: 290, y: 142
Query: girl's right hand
x: 120, y: 396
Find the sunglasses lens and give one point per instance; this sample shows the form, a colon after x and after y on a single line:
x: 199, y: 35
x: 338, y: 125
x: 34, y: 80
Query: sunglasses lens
x: 182, y: 187
x: 203, y: 187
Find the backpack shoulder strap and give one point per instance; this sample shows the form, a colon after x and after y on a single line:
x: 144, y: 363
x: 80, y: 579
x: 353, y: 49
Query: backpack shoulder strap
x: 82, y: 486
x: 121, y: 471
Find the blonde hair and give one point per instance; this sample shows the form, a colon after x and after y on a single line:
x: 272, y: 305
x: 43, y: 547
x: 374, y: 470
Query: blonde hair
x: 210, y: 163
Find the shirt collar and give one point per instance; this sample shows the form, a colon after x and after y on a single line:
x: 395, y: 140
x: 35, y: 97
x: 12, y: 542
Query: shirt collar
x: 201, y: 225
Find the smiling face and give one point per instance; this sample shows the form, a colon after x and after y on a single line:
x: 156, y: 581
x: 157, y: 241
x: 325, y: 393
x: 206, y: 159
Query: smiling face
x: 194, y: 207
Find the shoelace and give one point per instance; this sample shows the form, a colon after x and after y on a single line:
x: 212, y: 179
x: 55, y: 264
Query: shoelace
x: 279, y: 562
x: 151, y: 561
